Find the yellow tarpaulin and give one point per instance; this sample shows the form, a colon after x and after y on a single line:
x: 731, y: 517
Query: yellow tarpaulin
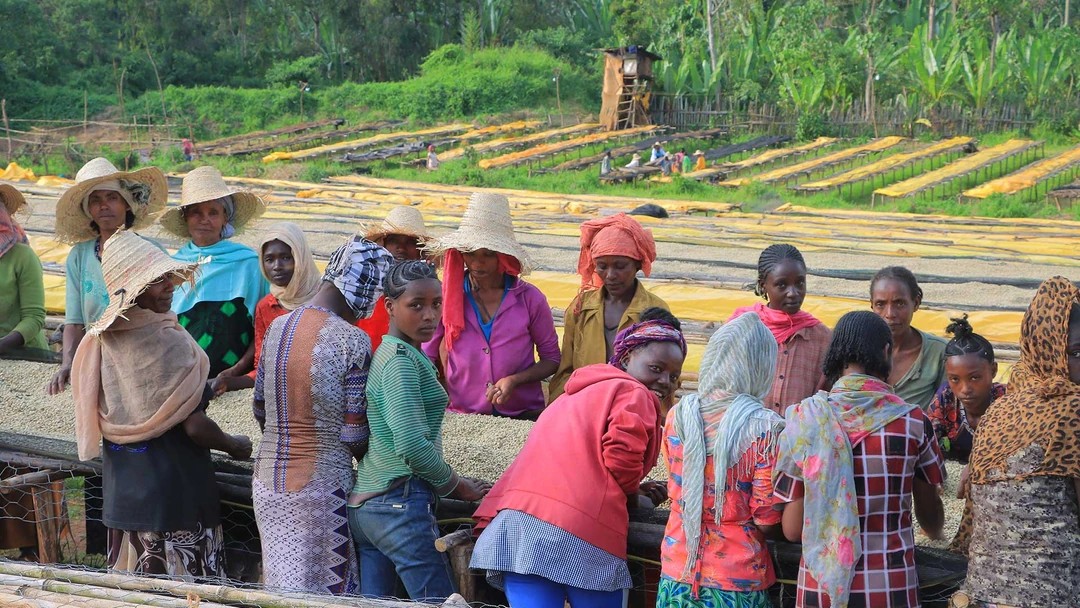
x: 963, y: 166
x: 367, y: 141
x: 769, y: 156
x: 15, y: 173
x: 887, y: 164
x: 1028, y: 176
x: 516, y: 157
x: 815, y: 164
x: 521, y: 140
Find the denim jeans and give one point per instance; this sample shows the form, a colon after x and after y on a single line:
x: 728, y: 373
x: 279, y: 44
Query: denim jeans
x: 395, y: 534
x: 531, y: 591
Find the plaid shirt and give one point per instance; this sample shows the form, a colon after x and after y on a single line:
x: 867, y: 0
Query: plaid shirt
x: 798, y: 368
x: 885, y: 464
x: 950, y: 422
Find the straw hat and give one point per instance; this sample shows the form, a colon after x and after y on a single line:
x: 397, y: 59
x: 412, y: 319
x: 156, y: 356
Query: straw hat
x: 129, y: 264
x: 206, y: 184
x: 485, y: 225
x: 636, y: 156
x: 72, y: 223
x: 402, y: 219
x: 12, y: 198
x: 698, y: 153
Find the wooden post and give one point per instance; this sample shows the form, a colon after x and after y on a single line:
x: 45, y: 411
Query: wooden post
x: 7, y: 127
x: 48, y: 515
x: 85, y: 111
x: 459, y: 548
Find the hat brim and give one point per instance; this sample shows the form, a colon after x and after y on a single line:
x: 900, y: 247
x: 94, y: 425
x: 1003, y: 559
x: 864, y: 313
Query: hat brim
x: 248, y: 206
x: 181, y: 272
x: 72, y: 223
x: 472, y: 241
x: 13, y: 199
x: 377, y: 232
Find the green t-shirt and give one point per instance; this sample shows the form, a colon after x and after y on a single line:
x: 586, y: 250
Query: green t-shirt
x: 22, y: 296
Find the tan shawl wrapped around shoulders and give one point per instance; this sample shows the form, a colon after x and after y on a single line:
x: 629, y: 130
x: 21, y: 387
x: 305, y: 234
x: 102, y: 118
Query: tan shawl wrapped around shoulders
x: 134, y: 382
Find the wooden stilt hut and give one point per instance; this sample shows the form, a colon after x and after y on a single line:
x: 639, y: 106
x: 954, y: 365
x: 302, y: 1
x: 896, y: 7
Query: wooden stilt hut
x: 627, y: 87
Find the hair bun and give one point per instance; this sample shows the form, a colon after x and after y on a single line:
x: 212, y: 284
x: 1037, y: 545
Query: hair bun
x: 959, y: 328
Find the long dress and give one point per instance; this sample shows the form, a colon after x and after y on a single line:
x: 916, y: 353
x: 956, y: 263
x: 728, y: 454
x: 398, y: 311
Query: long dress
x: 309, y: 396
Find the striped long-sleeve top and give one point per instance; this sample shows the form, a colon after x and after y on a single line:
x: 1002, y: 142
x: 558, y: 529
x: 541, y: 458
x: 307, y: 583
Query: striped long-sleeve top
x: 406, y: 405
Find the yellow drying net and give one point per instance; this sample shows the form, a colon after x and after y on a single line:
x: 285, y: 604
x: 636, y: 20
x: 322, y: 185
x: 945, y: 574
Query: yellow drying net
x: 956, y: 169
x: 15, y: 173
x: 367, y: 141
x: 1028, y: 176
x: 815, y: 164
x: 521, y: 140
x: 516, y: 157
x: 887, y: 164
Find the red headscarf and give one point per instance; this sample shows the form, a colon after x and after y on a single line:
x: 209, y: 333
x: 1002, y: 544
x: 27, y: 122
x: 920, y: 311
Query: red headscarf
x: 453, y: 311
x: 781, y: 324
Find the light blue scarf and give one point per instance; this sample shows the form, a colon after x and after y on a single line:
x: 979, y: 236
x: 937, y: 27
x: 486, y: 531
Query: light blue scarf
x: 230, y: 270
x: 736, y: 373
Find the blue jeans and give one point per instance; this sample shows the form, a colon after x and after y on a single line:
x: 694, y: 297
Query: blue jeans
x: 395, y: 534
x: 531, y: 591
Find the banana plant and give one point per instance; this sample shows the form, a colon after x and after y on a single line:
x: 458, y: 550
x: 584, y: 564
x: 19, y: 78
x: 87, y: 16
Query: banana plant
x: 1043, y: 65
x: 934, y: 67
x: 804, y: 91
x: 985, y: 70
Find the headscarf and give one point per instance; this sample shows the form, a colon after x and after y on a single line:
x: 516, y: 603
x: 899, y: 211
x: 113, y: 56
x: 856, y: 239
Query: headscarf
x: 815, y: 446
x: 1035, y: 428
x: 131, y: 191
x: 357, y: 269
x: 11, y: 233
x: 643, y: 334
x: 735, y: 375
x: 229, y: 205
x: 453, y: 310
x: 619, y: 235
x: 141, y: 377
x: 782, y: 325
x: 229, y: 270
x: 306, y: 279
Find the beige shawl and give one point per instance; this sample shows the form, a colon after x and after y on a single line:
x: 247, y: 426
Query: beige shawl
x: 141, y: 377
x: 306, y: 277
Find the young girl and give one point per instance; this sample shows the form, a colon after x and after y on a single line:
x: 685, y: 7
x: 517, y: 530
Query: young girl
x: 802, y: 338
x: 392, y: 506
x: 287, y: 263
x: 917, y: 357
x: 550, y: 535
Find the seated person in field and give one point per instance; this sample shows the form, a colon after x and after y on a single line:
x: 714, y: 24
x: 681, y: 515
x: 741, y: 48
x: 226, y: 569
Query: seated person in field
x: 22, y: 290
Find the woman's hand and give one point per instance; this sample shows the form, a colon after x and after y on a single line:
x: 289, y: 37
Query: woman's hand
x: 965, y: 483
x: 499, y: 393
x: 470, y: 490
x: 240, y: 448
x: 60, y: 381
x: 656, y: 491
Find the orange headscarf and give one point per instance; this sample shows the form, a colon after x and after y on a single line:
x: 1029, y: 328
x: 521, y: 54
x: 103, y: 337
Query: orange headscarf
x: 453, y: 311
x: 613, y: 235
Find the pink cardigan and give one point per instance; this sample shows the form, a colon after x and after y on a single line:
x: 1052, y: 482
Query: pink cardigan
x: 589, y: 450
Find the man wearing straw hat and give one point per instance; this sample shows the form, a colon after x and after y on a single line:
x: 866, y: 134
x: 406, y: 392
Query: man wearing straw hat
x: 139, y: 383
x: 402, y: 233
x: 102, y: 201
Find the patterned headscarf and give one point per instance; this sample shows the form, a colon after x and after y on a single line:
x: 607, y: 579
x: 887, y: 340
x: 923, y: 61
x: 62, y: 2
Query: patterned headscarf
x: 357, y: 269
x: 11, y: 233
x: 643, y: 334
x: 134, y: 193
x: 735, y: 375
x: 1035, y: 428
x: 619, y: 235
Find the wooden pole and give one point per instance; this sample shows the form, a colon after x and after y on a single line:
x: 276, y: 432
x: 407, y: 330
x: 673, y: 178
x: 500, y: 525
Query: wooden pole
x: 7, y: 127
x: 85, y: 111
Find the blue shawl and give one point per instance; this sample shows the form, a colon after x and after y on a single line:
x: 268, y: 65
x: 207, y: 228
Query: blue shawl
x: 229, y: 270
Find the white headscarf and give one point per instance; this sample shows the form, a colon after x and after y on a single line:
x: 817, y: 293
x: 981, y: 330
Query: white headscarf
x: 736, y: 373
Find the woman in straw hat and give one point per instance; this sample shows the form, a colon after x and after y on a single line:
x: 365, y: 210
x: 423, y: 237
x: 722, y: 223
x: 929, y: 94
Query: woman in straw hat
x: 310, y: 403
x: 288, y: 264
x: 497, y: 338
x: 402, y: 233
x: 699, y: 160
x: 613, y: 250
x: 219, y: 311
x: 139, y: 382
x: 22, y: 316
x: 102, y: 201
x: 22, y: 291
x: 555, y: 525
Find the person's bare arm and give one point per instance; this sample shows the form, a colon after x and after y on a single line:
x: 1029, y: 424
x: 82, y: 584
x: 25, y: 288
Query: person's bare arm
x: 207, y: 434
x: 792, y: 521
x: 73, y: 335
x: 929, y: 509
x: 243, y: 366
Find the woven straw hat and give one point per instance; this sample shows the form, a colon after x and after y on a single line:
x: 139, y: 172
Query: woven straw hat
x: 12, y: 198
x: 206, y: 184
x: 72, y: 223
x: 485, y: 225
x: 698, y: 153
x: 402, y: 219
x: 130, y: 263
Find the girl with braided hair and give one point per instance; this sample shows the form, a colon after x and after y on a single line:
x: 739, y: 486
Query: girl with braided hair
x: 802, y: 339
x: 555, y: 525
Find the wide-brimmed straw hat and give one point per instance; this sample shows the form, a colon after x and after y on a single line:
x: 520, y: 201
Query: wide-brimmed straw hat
x: 72, y: 222
x: 698, y: 153
x: 206, y: 184
x: 11, y: 197
x: 636, y: 156
x: 402, y: 219
x: 485, y: 225
x: 129, y: 264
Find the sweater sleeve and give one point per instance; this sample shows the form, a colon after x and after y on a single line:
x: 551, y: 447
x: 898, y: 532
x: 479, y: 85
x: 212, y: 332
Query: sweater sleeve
x: 73, y: 306
x: 31, y: 295
x: 626, y: 443
x: 542, y: 328
x: 413, y: 442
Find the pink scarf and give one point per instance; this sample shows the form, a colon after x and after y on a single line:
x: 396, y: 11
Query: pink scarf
x: 782, y: 325
x: 11, y: 233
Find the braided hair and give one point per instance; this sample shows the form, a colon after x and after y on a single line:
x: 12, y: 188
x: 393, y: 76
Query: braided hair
x: 401, y: 274
x: 901, y: 274
x: 655, y: 313
x: 770, y: 258
x: 966, y: 342
x: 860, y: 337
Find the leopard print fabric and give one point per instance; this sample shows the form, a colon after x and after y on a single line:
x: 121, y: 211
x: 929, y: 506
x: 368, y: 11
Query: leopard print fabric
x: 1034, y: 430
